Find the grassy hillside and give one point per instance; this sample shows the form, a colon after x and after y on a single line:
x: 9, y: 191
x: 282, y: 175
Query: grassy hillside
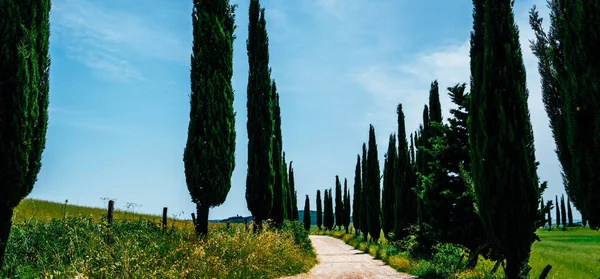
x: 64, y: 241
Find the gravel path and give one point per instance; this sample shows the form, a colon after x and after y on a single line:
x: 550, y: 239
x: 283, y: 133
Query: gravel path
x: 337, y: 260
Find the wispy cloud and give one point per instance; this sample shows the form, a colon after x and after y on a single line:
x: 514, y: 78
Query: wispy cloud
x: 112, y: 41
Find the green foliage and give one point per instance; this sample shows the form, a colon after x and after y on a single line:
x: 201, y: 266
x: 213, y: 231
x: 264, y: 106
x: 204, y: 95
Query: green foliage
x: 405, y: 204
x: 339, y: 203
x: 501, y: 136
x: 373, y: 188
x: 77, y: 247
x: 364, y: 199
x: 279, y: 210
x: 24, y: 90
x: 209, y: 154
x: 569, y: 212
x: 319, y: 210
x: 307, y: 214
x: 259, y: 188
x: 557, y: 212
x: 293, y: 194
x: 347, y: 206
x: 328, y: 217
x: 356, y: 205
x: 390, y: 183
x: 570, y: 76
x: 563, y: 212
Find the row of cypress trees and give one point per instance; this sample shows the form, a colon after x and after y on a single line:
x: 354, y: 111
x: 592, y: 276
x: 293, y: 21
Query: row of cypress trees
x: 330, y: 217
x: 209, y: 155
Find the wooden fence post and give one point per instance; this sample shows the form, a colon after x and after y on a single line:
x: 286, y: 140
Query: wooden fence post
x: 545, y: 272
x: 164, y: 219
x: 111, y: 207
x: 109, y: 218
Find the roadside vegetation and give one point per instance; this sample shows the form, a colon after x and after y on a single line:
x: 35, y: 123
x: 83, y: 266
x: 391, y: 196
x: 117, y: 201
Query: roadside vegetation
x: 572, y: 254
x: 73, y: 244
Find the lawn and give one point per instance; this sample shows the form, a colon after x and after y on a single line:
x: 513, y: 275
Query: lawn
x: 574, y: 253
x: 50, y: 240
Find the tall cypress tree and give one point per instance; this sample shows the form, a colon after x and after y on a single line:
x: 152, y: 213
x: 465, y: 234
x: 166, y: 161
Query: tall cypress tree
x: 319, y: 210
x: 307, y: 214
x: 405, y: 196
x: 288, y: 192
x: 374, y: 182
x: 501, y: 136
x: 346, y: 212
x: 329, y: 215
x: 24, y: 95
x: 293, y: 194
x: 557, y: 212
x: 326, y: 209
x: 364, y: 200
x: 570, y: 76
x: 550, y: 216
x: 259, y: 188
x: 209, y: 154
x: 563, y: 212
x: 388, y: 202
x: 278, y: 213
x: 569, y: 212
x: 356, y: 206
x: 339, y: 203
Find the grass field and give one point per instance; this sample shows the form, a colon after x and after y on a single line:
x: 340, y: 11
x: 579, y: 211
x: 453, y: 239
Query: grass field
x: 573, y: 254
x: 50, y: 240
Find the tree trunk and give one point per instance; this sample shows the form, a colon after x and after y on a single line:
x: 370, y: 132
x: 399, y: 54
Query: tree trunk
x: 5, y: 223
x: 257, y: 226
x: 346, y: 229
x: 514, y: 268
x: 202, y: 220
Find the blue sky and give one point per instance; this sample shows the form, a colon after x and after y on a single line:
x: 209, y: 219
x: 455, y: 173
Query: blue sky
x: 119, y: 105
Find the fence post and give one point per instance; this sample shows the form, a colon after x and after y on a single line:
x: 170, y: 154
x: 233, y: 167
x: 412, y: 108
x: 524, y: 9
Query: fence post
x: 164, y: 219
x: 545, y: 272
x: 109, y: 218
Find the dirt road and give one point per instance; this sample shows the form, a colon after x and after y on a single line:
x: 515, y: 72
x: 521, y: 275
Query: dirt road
x: 338, y: 260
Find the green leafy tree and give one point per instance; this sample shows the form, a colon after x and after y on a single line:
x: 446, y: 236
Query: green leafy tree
x: 557, y: 212
x: 346, y: 212
x: 388, y: 202
x: 209, y: 154
x: 278, y: 212
x: 374, y: 189
x: 501, y: 136
x: 293, y: 194
x: 24, y: 95
x: 319, y: 210
x: 405, y: 195
x: 356, y: 206
x: 569, y: 212
x: 364, y: 200
x: 307, y: 214
x: 339, y: 203
x: 570, y: 76
x: 289, y: 214
x: 563, y: 212
x: 260, y: 177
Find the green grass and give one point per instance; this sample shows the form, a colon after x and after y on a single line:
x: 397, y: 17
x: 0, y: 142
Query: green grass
x: 50, y: 243
x: 574, y: 253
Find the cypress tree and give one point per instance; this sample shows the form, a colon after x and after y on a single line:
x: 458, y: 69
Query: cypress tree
x: 339, y: 204
x: 583, y: 220
x: 364, y: 200
x: 404, y: 195
x: 329, y: 212
x: 326, y: 209
x: 563, y: 212
x: 357, y: 196
x: 293, y: 196
x: 307, y: 214
x: 209, y: 154
x: 374, y: 182
x: 501, y: 137
x: 557, y: 212
x: 259, y: 188
x: 570, y: 76
x: 388, y: 205
x: 346, y: 206
x: 24, y: 97
x: 319, y: 210
x: 549, y: 211
x: 286, y: 187
x: 569, y: 212
x: 278, y: 213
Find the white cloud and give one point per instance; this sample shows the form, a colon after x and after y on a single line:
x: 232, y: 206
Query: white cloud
x: 110, y: 41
